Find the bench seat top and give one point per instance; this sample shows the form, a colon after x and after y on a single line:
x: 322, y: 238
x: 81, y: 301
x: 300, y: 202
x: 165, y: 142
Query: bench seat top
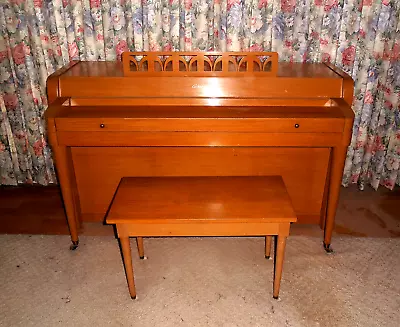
x: 197, y: 199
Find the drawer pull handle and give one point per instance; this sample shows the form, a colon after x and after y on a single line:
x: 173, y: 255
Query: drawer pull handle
x: 102, y: 125
x: 296, y: 125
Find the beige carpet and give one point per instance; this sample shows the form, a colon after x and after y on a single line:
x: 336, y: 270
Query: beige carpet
x: 198, y: 282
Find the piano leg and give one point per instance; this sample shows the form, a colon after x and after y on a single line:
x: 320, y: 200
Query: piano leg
x: 74, y: 245
x: 328, y: 248
x: 66, y: 176
x: 337, y: 164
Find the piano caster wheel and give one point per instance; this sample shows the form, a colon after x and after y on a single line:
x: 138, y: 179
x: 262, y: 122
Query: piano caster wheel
x: 276, y: 297
x: 133, y: 297
x: 267, y: 257
x: 328, y: 248
x: 74, y: 245
x: 142, y: 258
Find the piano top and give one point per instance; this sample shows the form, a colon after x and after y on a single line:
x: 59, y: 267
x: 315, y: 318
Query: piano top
x: 115, y: 69
x: 238, y: 79
x: 233, y: 96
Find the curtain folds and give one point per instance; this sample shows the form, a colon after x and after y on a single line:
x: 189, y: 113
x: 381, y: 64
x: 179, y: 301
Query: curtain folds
x: 360, y: 36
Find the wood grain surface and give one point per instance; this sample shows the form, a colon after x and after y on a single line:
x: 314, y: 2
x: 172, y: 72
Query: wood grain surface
x: 294, y: 120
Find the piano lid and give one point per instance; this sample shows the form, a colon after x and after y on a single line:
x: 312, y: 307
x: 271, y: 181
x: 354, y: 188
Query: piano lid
x: 115, y: 69
x: 206, y: 75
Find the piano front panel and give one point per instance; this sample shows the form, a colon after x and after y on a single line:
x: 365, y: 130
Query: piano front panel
x: 98, y: 171
x: 202, y: 124
x: 117, y: 139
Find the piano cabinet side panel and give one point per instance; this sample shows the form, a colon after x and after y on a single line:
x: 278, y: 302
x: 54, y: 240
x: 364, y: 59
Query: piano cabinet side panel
x: 99, y: 169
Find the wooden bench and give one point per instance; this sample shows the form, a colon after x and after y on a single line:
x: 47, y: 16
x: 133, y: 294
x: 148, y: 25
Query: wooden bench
x: 202, y: 206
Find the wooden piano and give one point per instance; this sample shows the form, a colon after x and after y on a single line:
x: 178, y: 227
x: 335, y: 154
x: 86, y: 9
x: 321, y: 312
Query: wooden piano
x: 199, y: 114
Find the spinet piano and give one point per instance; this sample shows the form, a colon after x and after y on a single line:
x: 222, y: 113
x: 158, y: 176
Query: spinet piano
x: 199, y: 114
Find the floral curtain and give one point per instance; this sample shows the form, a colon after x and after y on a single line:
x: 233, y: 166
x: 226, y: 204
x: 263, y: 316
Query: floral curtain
x: 360, y: 36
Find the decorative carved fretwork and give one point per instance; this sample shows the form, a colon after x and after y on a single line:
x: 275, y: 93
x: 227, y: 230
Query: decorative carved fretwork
x: 200, y: 63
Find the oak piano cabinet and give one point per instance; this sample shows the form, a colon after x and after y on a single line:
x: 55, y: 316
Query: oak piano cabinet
x: 199, y: 114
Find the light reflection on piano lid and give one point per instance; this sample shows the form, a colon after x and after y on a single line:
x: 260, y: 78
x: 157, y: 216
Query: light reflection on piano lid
x: 211, y: 88
x: 215, y: 206
x: 213, y: 102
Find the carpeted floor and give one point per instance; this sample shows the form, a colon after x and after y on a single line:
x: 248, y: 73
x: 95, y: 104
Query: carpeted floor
x: 198, y: 282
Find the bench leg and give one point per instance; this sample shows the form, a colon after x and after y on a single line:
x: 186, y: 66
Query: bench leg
x: 139, y: 241
x: 268, y: 243
x: 280, y: 253
x: 127, y: 257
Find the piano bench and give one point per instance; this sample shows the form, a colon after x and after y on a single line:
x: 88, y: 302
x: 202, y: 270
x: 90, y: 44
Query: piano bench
x: 201, y: 206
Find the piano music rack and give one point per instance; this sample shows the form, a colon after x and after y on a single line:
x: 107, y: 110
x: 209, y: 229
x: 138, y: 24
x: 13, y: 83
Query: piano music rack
x: 207, y: 64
